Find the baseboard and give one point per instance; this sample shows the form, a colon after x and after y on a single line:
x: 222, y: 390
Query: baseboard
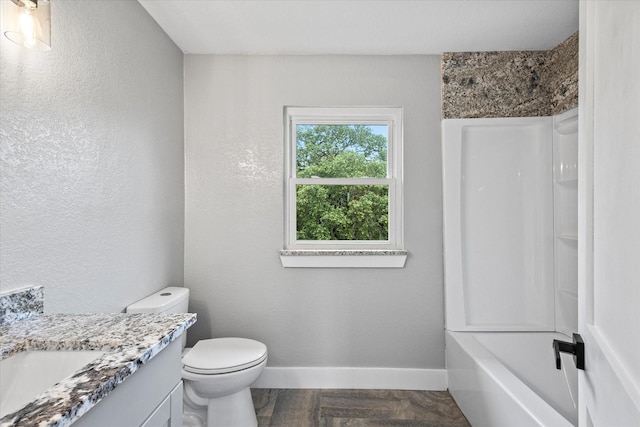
x: 353, y: 378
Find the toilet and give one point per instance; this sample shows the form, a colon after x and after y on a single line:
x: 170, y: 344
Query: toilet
x: 216, y: 372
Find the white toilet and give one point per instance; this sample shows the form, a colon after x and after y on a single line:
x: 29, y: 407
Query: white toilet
x: 217, y: 372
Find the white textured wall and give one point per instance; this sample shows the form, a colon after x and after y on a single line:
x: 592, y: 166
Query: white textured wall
x: 233, y: 228
x: 91, y: 133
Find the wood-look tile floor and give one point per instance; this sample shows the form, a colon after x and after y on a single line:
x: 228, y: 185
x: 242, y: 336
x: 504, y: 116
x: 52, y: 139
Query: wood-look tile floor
x: 355, y: 408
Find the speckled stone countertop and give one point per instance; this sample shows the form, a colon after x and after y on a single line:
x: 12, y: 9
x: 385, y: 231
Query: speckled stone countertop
x: 344, y: 252
x: 128, y: 340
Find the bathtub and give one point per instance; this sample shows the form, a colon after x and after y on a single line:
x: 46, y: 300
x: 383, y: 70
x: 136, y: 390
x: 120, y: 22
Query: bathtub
x: 509, y: 379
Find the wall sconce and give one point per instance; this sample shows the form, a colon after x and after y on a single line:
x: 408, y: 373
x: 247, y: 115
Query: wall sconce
x: 28, y: 23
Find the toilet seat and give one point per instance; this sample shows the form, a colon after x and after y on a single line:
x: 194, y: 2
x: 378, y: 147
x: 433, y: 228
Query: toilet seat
x: 224, y: 355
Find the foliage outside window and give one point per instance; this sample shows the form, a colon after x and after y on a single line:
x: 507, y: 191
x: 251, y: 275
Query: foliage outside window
x: 343, y: 178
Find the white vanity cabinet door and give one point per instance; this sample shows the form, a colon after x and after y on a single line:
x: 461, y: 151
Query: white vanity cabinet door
x: 177, y: 406
x: 161, y: 417
x: 169, y: 412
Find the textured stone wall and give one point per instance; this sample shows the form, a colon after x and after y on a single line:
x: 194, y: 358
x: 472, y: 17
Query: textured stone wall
x: 510, y: 84
x: 562, y: 75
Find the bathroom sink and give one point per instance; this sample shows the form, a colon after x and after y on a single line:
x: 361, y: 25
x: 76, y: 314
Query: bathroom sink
x: 25, y: 375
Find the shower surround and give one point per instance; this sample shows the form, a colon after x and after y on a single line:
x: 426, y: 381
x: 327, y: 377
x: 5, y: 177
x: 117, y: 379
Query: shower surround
x: 510, y: 129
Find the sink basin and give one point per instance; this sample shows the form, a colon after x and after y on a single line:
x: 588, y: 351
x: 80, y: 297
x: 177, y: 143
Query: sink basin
x: 25, y: 375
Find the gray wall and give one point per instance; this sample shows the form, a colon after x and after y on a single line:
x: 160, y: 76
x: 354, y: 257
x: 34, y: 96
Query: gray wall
x: 91, y: 134
x: 234, y: 209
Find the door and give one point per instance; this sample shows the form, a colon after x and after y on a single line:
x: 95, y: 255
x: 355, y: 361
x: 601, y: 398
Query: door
x: 609, y: 213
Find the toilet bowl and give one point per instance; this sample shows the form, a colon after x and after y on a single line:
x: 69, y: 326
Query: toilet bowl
x: 216, y: 372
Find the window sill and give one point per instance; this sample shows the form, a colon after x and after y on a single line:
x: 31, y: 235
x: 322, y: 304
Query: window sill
x: 343, y: 258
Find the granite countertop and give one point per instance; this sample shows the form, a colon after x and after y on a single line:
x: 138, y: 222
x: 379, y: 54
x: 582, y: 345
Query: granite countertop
x: 128, y: 340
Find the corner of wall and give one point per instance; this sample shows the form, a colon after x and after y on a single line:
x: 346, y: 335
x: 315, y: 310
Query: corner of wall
x: 562, y: 75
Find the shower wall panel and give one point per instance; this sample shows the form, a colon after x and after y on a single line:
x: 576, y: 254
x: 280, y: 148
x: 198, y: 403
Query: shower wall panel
x: 565, y: 180
x: 498, y: 198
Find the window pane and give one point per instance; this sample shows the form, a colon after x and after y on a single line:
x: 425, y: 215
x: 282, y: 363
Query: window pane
x: 342, y: 212
x: 341, y: 151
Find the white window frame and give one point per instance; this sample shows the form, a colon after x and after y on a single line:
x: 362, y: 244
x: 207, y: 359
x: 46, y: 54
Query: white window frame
x: 390, y: 116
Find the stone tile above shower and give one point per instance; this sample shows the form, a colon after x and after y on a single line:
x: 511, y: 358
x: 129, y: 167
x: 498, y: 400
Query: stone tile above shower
x: 511, y: 83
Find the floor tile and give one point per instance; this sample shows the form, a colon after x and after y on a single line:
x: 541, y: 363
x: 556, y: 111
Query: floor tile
x: 356, y: 408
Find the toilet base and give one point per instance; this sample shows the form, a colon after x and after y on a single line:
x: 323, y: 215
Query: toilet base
x: 190, y: 419
x: 234, y: 410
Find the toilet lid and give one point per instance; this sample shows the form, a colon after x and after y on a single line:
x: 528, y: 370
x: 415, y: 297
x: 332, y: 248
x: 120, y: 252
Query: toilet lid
x: 224, y: 355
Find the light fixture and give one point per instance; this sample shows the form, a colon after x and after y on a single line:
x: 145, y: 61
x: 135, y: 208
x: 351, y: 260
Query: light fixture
x: 28, y: 23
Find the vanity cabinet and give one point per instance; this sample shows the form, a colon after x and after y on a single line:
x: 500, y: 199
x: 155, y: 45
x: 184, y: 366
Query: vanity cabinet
x: 169, y: 412
x: 151, y: 397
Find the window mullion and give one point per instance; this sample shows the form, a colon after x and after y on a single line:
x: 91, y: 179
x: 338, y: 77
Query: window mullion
x: 341, y: 181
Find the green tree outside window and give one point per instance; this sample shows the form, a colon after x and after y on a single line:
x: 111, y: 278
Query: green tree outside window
x: 341, y: 212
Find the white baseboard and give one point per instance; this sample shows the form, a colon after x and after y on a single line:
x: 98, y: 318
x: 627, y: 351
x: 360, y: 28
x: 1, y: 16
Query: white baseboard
x: 354, y: 378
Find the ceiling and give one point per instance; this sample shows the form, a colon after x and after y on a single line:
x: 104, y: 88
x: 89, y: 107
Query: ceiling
x: 367, y: 27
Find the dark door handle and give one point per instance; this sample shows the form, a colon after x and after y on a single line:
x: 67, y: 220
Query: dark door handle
x: 576, y: 348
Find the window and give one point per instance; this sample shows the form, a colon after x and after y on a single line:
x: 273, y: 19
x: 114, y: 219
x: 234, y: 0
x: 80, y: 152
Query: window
x: 343, y: 179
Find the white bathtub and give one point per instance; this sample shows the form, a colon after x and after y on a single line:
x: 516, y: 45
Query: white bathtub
x: 509, y: 379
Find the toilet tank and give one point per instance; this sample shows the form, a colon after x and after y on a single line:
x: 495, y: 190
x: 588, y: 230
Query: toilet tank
x: 167, y: 300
